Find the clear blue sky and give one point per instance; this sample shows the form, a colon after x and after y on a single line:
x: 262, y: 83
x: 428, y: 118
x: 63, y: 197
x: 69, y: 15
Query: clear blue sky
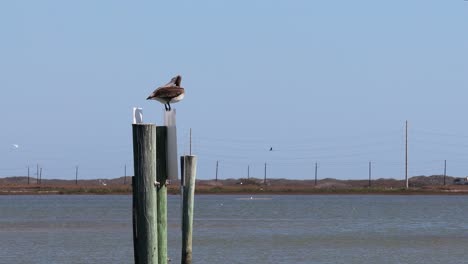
x: 319, y: 81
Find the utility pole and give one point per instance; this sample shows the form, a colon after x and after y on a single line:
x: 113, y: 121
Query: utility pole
x: 248, y: 171
x: 216, y: 179
x: 445, y: 170
x: 40, y: 176
x: 37, y: 173
x: 190, y: 152
x: 76, y: 175
x: 370, y: 173
x: 264, y: 178
x: 28, y: 174
x: 316, y: 166
x: 406, y: 154
x: 125, y: 174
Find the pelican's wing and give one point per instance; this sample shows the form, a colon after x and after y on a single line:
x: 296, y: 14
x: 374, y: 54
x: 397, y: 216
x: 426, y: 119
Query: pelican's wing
x: 168, y: 92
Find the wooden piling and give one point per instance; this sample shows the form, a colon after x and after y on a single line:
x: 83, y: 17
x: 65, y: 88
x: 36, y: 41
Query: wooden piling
x: 161, y: 176
x: 190, y: 172
x: 134, y: 221
x: 144, y: 193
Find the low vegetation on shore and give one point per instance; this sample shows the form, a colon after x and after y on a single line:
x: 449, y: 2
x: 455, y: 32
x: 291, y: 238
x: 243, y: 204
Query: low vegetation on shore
x: 418, y: 185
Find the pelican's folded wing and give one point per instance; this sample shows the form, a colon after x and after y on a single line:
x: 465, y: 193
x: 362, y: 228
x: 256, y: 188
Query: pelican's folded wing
x: 168, y: 92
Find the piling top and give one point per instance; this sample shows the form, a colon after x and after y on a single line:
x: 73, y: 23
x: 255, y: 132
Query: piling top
x: 170, y: 118
x: 144, y: 124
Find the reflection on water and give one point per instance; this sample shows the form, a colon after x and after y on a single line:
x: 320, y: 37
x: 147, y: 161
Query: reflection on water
x: 242, y: 229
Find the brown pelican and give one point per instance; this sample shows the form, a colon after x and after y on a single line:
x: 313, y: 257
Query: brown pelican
x: 169, y: 93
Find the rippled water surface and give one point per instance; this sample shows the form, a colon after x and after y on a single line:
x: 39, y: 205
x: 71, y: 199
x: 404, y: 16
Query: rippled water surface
x: 238, y: 229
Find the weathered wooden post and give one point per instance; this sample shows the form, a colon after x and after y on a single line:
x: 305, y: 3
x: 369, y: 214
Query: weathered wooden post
x: 189, y: 176
x: 144, y: 193
x: 134, y: 221
x: 161, y: 176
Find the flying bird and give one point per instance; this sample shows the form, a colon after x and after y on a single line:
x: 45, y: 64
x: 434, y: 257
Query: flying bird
x: 169, y: 93
x: 14, y: 147
x: 271, y: 148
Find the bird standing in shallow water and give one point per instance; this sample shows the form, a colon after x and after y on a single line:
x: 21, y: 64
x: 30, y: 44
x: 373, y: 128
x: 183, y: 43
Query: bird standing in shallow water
x: 169, y: 93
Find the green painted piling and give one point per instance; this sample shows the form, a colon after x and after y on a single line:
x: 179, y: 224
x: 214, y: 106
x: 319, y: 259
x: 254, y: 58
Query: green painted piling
x: 144, y: 193
x: 189, y: 176
x: 161, y: 176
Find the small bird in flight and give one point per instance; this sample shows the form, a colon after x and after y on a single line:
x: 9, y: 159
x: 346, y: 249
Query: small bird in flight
x: 271, y: 148
x: 169, y: 93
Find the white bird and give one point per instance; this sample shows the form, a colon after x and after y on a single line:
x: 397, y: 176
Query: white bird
x: 15, y: 146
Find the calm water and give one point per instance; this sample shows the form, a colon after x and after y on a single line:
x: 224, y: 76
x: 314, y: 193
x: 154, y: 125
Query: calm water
x: 236, y: 229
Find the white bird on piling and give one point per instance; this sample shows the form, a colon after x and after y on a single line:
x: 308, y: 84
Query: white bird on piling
x: 169, y: 93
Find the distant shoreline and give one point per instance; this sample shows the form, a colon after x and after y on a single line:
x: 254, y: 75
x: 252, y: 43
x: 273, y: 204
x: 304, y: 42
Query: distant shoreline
x: 209, y: 190
x: 421, y: 185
